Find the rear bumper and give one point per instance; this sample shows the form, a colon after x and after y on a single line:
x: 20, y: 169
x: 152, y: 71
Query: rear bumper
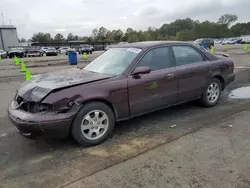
x: 33, y: 55
x: 45, y: 125
x: 51, y: 54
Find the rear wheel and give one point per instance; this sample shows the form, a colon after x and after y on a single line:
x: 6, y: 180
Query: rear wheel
x: 212, y: 93
x: 93, y: 124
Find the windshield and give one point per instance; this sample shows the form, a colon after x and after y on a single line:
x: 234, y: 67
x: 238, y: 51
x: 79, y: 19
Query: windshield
x: 114, y: 61
x: 51, y: 48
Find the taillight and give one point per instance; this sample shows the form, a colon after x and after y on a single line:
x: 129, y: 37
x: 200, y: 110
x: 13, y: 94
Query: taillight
x: 233, y: 66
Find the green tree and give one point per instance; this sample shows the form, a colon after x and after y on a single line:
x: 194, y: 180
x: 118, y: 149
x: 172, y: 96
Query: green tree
x: 22, y: 40
x: 117, y: 35
x: 227, y: 19
x: 102, y: 33
x: 70, y: 37
x: 41, y: 37
x: 59, y: 37
x: 180, y: 29
x: 95, y: 34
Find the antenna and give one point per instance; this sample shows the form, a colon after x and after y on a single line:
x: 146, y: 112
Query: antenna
x: 2, y: 17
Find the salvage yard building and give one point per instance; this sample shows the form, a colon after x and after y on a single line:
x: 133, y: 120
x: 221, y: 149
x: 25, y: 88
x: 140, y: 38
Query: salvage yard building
x: 8, y: 37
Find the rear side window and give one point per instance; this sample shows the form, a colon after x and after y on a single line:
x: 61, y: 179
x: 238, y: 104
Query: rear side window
x: 186, y: 55
x: 157, y: 59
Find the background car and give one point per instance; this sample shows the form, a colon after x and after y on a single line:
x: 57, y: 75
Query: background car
x: 205, y: 41
x: 3, y: 54
x: 51, y: 51
x: 42, y: 50
x: 63, y: 50
x: 93, y: 48
x: 245, y: 41
x: 18, y: 52
x: 85, y: 48
x: 109, y: 47
x: 34, y: 52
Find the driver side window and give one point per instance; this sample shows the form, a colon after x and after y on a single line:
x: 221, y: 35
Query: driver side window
x: 157, y: 59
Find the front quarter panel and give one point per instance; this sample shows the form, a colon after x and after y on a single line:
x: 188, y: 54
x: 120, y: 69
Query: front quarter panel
x: 113, y: 90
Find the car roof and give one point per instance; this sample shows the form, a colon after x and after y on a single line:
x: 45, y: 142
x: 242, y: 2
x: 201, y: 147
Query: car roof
x: 149, y: 44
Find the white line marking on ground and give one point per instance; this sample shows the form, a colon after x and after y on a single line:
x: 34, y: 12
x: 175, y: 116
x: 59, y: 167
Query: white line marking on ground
x: 242, y: 67
x: 5, y: 134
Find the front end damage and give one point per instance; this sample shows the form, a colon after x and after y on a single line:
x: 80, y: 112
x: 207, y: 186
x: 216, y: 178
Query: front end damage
x: 47, y: 104
x: 37, y: 119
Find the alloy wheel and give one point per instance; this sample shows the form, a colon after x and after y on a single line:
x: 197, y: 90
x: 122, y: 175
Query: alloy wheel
x: 213, y: 92
x: 94, y: 124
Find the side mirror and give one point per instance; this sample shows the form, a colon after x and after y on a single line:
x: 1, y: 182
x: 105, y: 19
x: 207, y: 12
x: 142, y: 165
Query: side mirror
x: 141, y: 70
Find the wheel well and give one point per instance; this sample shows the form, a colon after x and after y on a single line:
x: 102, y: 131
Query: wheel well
x: 109, y: 104
x: 222, y: 81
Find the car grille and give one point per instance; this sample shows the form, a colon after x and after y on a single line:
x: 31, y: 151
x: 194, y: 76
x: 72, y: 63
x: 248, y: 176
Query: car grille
x: 33, y: 107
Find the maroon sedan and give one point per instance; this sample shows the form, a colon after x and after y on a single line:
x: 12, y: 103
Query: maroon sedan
x: 126, y: 81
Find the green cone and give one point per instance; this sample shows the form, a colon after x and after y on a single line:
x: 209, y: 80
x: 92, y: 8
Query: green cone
x: 27, y: 75
x: 23, y: 68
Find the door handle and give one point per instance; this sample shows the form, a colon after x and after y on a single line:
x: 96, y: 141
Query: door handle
x: 169, y: 75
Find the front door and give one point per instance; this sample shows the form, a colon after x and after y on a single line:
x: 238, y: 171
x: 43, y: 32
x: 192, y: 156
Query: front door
x: 193, y: 72
x: 154, y: 90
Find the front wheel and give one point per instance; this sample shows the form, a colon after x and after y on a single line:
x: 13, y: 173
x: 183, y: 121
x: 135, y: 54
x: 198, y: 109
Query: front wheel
x: 212, y: 93
x: 93, y: 124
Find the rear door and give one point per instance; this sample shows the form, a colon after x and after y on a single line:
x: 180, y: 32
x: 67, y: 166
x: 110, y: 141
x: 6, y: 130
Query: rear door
x: 193, y: 71
x: 157, y: 89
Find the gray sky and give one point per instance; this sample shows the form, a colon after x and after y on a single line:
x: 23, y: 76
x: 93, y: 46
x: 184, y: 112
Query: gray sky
x: 82, y: 16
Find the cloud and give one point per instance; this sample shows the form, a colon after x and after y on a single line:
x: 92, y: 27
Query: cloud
x: 82, y: 16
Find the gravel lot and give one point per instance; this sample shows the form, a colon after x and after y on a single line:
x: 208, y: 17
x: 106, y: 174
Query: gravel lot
x: 196, y: 152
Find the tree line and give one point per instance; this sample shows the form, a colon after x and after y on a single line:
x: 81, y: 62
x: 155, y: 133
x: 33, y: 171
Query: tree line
x: 180, y: 29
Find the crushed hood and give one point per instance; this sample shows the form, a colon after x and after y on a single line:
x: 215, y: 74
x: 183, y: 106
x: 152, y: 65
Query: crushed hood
x: 41, y: 85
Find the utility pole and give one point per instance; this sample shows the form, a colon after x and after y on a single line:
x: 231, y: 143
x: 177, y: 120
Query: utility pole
x: 2, y: 17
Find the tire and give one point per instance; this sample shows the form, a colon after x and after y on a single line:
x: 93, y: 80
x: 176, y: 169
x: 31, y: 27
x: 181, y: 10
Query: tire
x: 83, y: 137
x: 210, y: 100
x: 90, y: 52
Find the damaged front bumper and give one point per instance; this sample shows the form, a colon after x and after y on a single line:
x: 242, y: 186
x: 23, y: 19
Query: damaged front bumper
x: 43, y: 124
